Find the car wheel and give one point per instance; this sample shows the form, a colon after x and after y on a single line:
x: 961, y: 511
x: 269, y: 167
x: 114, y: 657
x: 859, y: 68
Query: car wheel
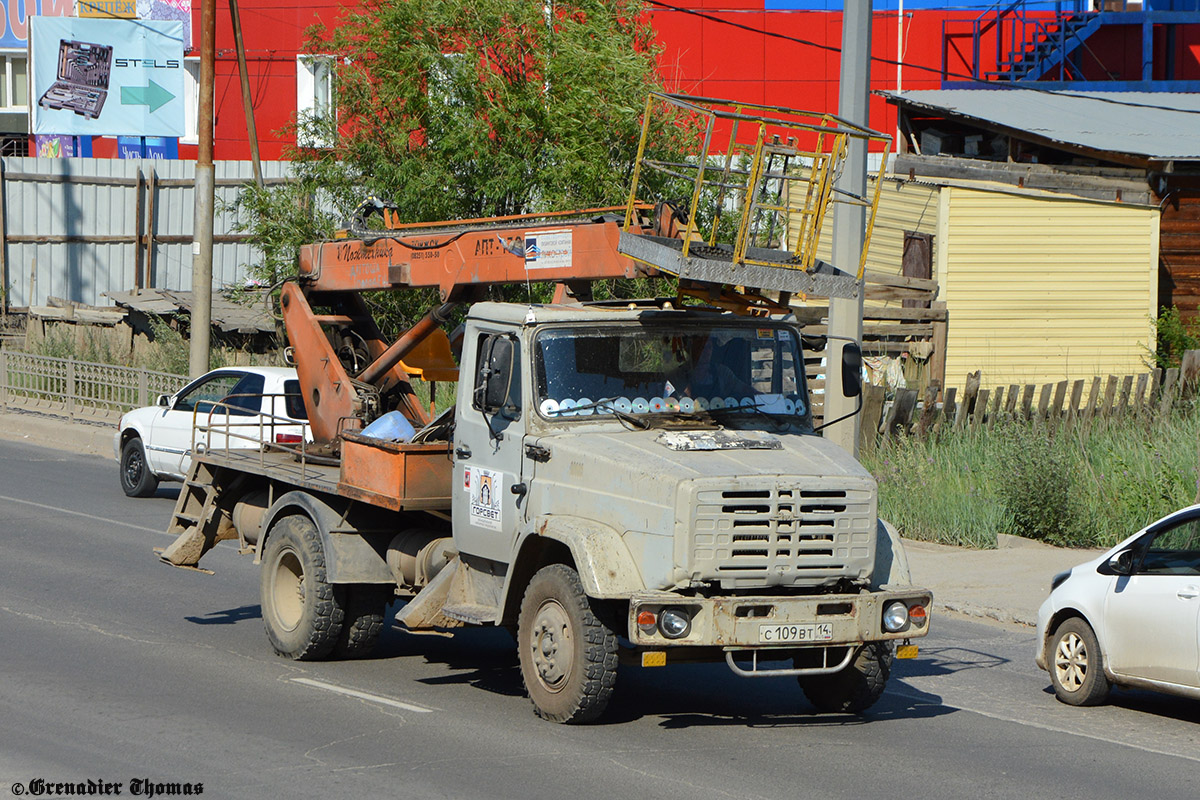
x: 136, y: 478
x: 1076, y: 665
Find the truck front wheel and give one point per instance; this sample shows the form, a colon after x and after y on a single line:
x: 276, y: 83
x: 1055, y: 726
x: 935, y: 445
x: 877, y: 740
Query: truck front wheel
x: 568, y: 655
x: 299, y: 607
x: 855, y: 688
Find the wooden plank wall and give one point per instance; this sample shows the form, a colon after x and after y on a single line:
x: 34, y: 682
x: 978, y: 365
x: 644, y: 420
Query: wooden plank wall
x: 1064, y: 403
x: 888, y: 330
x: 1179, y: 252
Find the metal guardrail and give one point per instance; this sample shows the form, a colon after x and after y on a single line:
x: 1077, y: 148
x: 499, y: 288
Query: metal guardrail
x: 79, y: 389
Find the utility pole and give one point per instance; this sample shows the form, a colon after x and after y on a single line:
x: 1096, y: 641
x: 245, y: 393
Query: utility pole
x: 849, y: 218
x: 247, y: 105
x: 205, y: 198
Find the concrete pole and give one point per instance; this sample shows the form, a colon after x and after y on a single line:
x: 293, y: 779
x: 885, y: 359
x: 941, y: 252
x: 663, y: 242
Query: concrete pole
x: 849, y: 221
x: 205, y: 194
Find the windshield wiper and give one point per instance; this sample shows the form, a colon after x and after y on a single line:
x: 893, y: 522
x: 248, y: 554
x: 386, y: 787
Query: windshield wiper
x: 777, y: 420
x: 609, y: 404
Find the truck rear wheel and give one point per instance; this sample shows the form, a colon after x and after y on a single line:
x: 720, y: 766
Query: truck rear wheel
x: 855, y: 688
x: 364, y: 607
x: 300, y: 610
x: 568, y: 655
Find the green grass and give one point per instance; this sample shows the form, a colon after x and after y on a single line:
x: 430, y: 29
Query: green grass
x: 1081, y: 487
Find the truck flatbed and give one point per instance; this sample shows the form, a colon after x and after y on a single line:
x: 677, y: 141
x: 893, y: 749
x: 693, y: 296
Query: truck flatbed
x: 399, y: 477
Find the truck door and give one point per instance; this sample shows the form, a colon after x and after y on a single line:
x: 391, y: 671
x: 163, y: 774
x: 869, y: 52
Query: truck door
x: 488, y: 438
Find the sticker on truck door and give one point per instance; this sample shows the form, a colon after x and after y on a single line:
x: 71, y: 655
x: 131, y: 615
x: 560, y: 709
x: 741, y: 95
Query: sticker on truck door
x: 485, y: 490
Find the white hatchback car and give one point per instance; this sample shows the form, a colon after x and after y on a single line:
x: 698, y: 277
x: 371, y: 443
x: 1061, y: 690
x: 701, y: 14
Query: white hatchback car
x: 156, y: 442
x: 1130, y: 617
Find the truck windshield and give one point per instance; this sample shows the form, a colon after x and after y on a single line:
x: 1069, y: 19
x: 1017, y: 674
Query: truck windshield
x: 662, y: 370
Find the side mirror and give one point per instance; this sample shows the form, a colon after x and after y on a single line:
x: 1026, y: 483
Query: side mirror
x: 851, y: 370
x: 1120, y: 564
x: 163, y: 401
x: 494, y: 384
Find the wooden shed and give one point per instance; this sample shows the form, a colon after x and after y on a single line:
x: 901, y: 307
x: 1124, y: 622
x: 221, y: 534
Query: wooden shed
x: 1037, y: 286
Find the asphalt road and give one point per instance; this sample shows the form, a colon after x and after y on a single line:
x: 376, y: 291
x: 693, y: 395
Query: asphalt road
x: 115, y: 668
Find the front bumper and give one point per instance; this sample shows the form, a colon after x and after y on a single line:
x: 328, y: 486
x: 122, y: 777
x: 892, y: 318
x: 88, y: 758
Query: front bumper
x: 1045, y: 612
x: 780, y: 622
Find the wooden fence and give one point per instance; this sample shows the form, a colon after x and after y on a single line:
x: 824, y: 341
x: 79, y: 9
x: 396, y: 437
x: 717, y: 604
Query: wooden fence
x: 1059, y: 404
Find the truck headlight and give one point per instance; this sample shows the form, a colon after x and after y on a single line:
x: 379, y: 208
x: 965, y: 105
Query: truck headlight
x: 895, y: 617
x: 674, y: 623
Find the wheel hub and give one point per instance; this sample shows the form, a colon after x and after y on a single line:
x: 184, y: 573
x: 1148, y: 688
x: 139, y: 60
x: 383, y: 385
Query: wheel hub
x: 133, y: 468
x: 1071, y: 662
x: 552, y: 645
x: 288, y: 591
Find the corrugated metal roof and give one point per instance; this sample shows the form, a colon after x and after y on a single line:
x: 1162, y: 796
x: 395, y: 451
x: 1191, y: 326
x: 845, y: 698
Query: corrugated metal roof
x: 1158, y: 126
x: 227, y: 315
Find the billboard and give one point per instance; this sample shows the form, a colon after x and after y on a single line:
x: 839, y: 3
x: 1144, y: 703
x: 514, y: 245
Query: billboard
x: 15, y: 16
x: 95, y: 77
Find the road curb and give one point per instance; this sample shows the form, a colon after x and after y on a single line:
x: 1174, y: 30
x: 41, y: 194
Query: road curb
x: 986, y: 612
x: 89, y: 437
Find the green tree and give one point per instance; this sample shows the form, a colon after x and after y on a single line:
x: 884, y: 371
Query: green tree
x: 457, y: 109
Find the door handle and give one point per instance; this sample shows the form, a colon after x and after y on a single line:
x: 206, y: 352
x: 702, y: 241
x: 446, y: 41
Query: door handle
x: 1188, y: 593
x: 462, y: 452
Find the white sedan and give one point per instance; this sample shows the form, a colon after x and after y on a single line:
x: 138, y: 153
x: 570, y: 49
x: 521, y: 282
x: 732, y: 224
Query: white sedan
x: 1128, y: 618
x: 156, y: 442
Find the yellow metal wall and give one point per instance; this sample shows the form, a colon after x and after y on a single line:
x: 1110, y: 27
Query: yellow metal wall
x: 1041, y: 289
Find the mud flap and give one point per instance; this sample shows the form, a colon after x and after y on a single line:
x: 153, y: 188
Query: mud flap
x: 191, y: 545
x: 425, y: 610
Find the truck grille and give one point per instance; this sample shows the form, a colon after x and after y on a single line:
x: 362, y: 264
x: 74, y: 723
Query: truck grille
x: 801, y: 535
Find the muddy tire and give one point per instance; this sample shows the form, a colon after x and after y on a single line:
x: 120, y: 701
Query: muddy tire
x: 299, y: 606
x: 136, y: 478
x: 363, y: 608
x: 855, y: 688
x: 1076, y: 665
x: 568, y: 655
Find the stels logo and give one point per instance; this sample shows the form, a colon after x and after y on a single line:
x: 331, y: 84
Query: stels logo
x: 148, y: 63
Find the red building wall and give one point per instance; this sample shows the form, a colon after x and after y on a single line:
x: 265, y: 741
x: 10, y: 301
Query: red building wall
x: 701, y: 56
x: 730, y: 49
x: 796, y: 59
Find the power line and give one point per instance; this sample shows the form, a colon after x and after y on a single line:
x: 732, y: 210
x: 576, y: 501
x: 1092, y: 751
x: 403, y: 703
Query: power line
x: 910, y: 65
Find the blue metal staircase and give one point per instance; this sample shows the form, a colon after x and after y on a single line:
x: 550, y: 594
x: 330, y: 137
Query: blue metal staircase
x: 1049, y: 45
x: 1047, y: 42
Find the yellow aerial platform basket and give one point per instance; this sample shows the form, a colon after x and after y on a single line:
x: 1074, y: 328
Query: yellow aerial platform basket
x: 764, y: 175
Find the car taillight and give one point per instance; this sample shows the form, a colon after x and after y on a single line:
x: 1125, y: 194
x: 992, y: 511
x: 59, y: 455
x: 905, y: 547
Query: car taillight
x: 288, y: 438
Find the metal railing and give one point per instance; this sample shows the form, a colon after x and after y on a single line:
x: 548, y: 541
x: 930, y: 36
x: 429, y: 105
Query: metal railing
x: 1016, y: 29
x: 79, y: 389
x: 226, y: 426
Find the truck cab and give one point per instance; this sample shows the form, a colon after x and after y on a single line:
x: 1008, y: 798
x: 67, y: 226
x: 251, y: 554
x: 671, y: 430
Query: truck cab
x: 666, y: 459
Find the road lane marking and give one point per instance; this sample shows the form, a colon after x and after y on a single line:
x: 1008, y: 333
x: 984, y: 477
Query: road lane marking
x: 1045, y: 726
x: 92, y: 517
x: 370, y: 698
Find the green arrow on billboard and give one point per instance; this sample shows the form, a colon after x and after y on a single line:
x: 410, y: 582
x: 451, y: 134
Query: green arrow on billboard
x: 151, y: 95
